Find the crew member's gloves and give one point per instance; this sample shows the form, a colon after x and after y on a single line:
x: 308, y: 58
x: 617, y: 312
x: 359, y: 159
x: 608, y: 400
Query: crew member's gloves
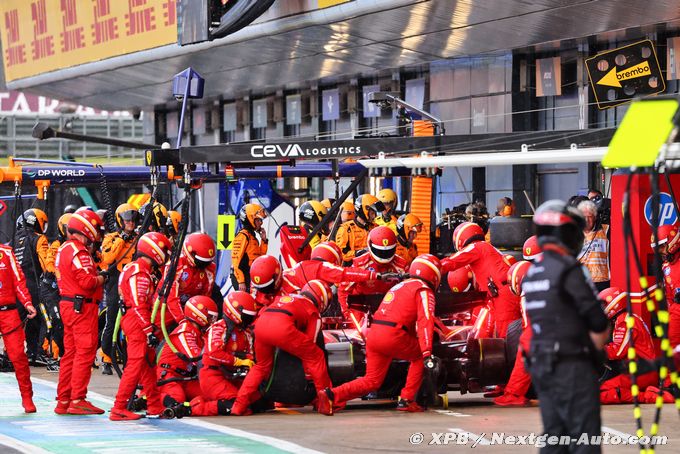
x: 106, y: 275
x: 430, y: 362
x: 238, y: 362
x: 388, y: 276
x: 151, y: 340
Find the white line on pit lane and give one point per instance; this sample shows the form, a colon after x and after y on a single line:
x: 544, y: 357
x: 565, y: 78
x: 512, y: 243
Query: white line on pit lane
x: 452, y: 413
x: 275, y: 442
x: 477, y: 439
x: 616, y: 432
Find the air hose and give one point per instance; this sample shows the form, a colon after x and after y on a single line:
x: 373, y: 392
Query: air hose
x: 656, y: 305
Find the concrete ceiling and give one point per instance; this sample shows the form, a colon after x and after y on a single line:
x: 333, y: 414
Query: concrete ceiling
x: 352, y: 39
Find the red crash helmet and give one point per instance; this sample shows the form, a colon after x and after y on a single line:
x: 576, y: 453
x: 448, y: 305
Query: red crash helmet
x: 327, y: 251
x: 265, y: 274
x: 87, y: 223
x: 668, y: 234
x: 201, y: 310
x: 199, y: 249
x: 155, y: 246
x: 467, y: 233
x: 426, y: 267
x: 516, y: 275
x: 319, y: 292
x: 382, y: 244
x: 615, y: 301
x: 461, y: 280
x: 239, y: 304
x: 531, y: 249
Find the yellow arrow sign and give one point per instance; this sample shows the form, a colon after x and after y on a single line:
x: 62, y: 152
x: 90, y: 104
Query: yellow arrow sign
x: 226, y: 229
x: 613, y: 78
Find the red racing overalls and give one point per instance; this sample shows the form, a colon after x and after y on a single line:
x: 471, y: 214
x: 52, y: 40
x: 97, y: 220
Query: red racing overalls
x: 490, y: 272
x: 12, y: 288
x: 77, y: 280
x: 136, y: 287
x: 401, y: 329
x: 295, y: 278
x: 189, y: 281
x: 174, y: 373
x: 292, y: 324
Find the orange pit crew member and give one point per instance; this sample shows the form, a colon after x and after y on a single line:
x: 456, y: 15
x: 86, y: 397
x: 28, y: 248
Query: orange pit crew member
x: 246, y: 247
x: 353, y: 234
x: 12, y: 288
x: 79, y: 285
x: 402, y: 328
x: 408, y: 227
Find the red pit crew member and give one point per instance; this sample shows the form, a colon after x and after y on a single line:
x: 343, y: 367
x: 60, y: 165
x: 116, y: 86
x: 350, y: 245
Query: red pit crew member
x: 325, y: 265
x: 519, y: 382
x: 291, y: 323
x: 490, y: 271
x: 617, y: 390
x: 227, y: 349
x: 79, y: 287
x: 265, y: 278
x: 381, y: 258
x: 195, y: 274
x: 402, y: 328
x: 176, y: 370
x: 669, y: 244
x: 12, y: 288
x: 136, y: 287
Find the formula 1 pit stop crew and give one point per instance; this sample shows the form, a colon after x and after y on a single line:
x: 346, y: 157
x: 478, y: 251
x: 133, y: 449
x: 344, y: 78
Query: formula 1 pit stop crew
x: 617, y: 390
x: 387, y: 218
x: 490, y: 272
x: 136, y: 288
x: 176, y: 371
x: 195, y: 274
x: 31, y: 249
x: 381, y: 258
x: 325, y: 265
x: 227, y: 349
x: 310, y: 214
x: 568, y: 328
x: 402, y: 328
x: 408, y: 227
x: 669, y: 244
x: 514, y: 393
x: 246, y: 247
x: 13, y: 287
x: 159, y: 216
x: 117, y: 251
x: 328, y: 204
x: 352, y: 235
x: 265, y: 275
x: 172, y: 225
x: 292, y: 323
x: 79, y: 286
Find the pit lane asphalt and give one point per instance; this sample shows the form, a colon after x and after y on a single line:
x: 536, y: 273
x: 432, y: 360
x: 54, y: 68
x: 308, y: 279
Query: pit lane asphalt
x: 377, y: 427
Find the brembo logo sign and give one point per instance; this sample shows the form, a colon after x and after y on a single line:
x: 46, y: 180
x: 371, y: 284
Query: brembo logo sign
x: 294, y: 150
